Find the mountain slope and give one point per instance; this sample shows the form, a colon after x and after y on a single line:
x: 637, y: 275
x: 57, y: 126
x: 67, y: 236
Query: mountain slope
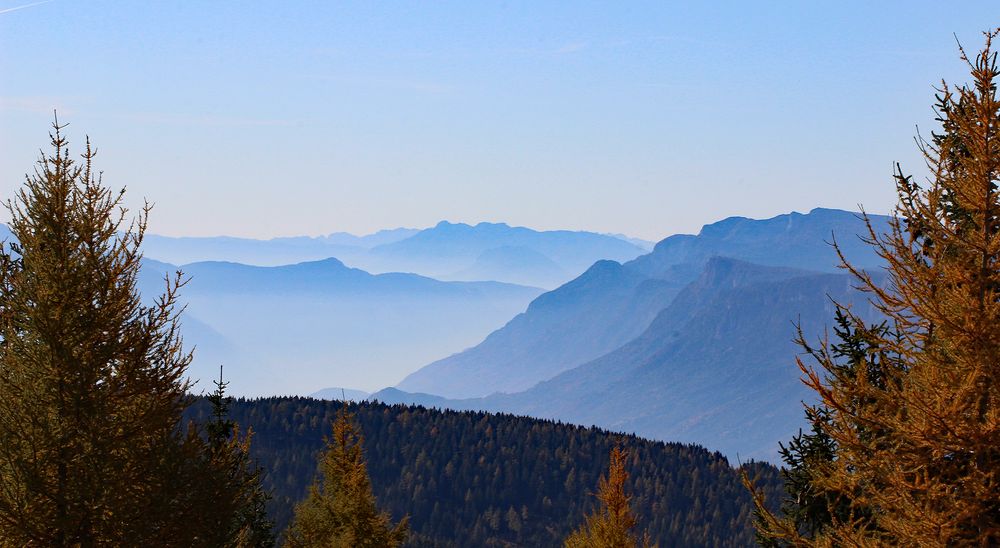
x: 448, y: 248
x: 716, y: 367
x: 514, y: 264
x: 794, y: 239
x: 610, y: 304
x: 291, y: 329
x: 589, y: 316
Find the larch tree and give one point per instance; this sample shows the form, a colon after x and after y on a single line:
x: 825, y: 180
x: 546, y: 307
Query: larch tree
x: 92, y: 378
x: 340, y: 509
x: 916, y: 426
x: 611, y: 524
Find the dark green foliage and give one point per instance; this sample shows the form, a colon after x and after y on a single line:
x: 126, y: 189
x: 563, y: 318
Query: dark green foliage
x: 247, y: 524
x: 479, y: 479
x: 805, y: 504
x: 810, y: 507
x: 220, y: 429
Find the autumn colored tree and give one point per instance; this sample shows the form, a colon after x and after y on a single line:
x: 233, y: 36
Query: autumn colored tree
x: 917, y: 438
x: 610, y: 525
x: 340, y: 510
x: 92, y: 379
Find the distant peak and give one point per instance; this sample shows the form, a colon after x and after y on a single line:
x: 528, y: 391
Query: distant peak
x: 830, y: 211
x: 449, y: 224
x: 604, y: 265
x: 721, y: 227
x: 481, y: 224
x: 331, y: 262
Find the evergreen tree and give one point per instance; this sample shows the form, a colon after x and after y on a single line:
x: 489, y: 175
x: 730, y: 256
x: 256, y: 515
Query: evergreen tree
x: 340, y: 510
x: 808, y: 507
x: 91, y: 378
x: 243, y: 519
x: 917, y: 437
x: 609, y: 526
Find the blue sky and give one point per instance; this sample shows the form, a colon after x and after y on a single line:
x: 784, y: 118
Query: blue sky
x: 265, y: 119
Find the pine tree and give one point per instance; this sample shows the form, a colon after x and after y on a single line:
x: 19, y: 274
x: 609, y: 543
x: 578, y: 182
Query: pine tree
x: 340, y: 509
x: 609, y: 526
x: 918, y: 437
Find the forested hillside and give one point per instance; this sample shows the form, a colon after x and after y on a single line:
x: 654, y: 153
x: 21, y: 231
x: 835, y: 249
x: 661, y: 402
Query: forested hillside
x: 480, y: 479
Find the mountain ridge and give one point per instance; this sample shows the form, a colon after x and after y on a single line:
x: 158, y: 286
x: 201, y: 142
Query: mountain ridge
x: 611, y: 303
x: 672, y: 382
x: 447, y: 251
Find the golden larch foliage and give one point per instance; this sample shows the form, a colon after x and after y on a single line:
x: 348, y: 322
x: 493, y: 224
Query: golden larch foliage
x: 918, y: 436
x: 340, y: 509
x: 611, y: 524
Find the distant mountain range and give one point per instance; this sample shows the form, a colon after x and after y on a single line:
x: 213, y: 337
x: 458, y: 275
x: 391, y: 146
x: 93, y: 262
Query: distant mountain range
x: 337, y: 393
x: 447, y: 251
x: 288, y: 329
x: 691, y: 342
x: 273, y: 252
x: 611, y: 304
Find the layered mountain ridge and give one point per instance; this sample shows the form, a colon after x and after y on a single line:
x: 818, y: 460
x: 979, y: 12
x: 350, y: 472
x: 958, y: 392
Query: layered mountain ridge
x: 612, y: 303
x: 447, y: 251
x: 703, y: 326
x: 289, y: 329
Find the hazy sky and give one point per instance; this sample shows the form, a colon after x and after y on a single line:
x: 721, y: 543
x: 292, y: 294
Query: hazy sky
x: 284, y: 118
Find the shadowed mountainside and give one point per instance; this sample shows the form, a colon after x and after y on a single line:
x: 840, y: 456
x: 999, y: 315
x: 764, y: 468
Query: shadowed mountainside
x: 716, y: 367
x: 610, y: 304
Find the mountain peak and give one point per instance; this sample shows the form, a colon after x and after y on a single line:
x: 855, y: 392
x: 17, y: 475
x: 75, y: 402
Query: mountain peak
x: 482, y: 225
x: 329, y: 262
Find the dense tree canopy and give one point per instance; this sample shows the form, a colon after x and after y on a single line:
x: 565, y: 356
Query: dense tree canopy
x: 483, y: 479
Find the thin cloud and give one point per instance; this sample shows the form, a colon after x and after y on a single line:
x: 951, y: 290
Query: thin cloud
x: 15, y: 8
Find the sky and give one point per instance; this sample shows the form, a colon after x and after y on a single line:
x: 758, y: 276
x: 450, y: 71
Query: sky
x: 264, y: 119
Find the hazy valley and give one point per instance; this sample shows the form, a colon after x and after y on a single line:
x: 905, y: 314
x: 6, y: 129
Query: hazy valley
x: 691, y: 342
